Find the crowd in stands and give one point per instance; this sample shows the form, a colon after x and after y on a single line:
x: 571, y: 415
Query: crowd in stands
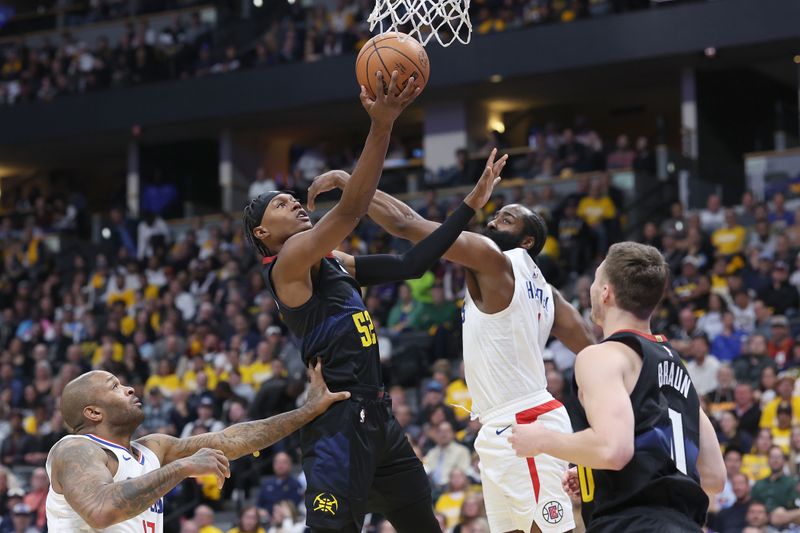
x: 186, y: 48
x: 186, y: 320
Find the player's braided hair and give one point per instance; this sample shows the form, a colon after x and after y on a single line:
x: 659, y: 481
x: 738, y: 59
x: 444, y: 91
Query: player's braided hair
x: 251, y: 219
x: 536, y: 227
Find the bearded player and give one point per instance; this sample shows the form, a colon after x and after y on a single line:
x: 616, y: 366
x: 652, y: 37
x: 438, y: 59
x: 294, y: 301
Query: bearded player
x: 101, y: 480
x: 510, y: 311
x: 647, y: 452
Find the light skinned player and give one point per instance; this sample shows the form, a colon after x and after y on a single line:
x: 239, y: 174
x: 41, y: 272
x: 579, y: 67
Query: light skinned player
x: 101, y: 480
x: 646, y: 451
x: 510, y: 311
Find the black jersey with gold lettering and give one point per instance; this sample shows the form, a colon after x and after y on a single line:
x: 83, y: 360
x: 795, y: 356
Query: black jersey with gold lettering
x: 663, y: 470
x: 333, y: 325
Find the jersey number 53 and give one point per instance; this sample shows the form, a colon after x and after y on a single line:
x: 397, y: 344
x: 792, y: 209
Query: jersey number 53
x: 364, y: 326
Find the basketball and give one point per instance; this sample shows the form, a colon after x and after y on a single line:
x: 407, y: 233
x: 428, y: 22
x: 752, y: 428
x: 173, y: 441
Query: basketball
x: 388, y: 52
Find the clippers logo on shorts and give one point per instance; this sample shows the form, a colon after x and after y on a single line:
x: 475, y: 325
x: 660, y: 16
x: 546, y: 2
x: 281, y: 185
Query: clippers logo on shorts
x: 553, y: 512
x: 326, y: 502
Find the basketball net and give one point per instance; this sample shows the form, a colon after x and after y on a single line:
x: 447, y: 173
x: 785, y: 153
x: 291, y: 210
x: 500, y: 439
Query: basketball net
x: 447, y: 20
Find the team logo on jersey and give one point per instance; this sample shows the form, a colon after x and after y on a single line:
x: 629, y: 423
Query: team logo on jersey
x: 362, y: 415
x: 553, y: 512
x: 325, y: 502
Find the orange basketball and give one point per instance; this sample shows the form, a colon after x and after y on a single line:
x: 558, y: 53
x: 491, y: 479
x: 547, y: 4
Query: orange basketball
x: 392, y: 51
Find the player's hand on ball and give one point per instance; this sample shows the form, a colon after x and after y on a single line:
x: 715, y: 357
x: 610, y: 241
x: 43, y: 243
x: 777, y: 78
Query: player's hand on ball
x: 207, y: 461
x: 333, y: 179
x: 525, y: 438
x: 387, y: 105
x: 478, y: 197
x: 319, y: 397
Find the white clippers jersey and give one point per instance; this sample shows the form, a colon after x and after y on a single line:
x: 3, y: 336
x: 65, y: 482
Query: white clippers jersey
x: 503, y: 351
x: 62, y: 518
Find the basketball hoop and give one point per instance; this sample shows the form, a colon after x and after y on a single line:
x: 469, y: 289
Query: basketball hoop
x: 447, y: 20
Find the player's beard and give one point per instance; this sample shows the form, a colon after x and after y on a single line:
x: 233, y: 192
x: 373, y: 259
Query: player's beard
x: 504, y: 239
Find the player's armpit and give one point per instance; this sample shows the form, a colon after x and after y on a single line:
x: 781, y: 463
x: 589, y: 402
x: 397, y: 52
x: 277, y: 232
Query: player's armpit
x: 80, y: 469
x: 569, y: 326
x: 710, y: 464
x: 347, y: 261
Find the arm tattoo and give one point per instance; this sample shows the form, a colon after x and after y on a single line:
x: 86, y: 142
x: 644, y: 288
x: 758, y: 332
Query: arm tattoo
x: 81, y: 468
x: 243, y: 438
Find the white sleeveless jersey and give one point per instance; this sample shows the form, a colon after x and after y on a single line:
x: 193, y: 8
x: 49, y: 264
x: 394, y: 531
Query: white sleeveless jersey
x: 503, y: 351
x: 62, y: 518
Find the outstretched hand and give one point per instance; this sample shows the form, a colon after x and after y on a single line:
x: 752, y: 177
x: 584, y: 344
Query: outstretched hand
x: 478, y: 197
x: 319, y: 397
x: 333, y: 179
x: 387, y: 105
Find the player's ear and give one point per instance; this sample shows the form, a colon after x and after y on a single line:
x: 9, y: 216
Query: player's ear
x: 528, y: 242
x: 261, y: 232
x: 93, y: 413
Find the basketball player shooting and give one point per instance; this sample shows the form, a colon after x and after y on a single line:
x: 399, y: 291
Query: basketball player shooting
x: 100, y: 480
x: 356, y: 457
x: 510, y: 311
x: 647, y: 453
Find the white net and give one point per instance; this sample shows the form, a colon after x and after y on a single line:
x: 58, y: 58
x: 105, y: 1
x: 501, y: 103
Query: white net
x: 446, y: 20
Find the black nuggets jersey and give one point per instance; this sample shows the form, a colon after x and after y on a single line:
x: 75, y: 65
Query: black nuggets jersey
x: 335, y: 326
x: 663, y: 470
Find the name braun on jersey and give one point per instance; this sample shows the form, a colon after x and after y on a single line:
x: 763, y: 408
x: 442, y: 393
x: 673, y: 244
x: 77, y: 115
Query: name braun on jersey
x: 673, y: 375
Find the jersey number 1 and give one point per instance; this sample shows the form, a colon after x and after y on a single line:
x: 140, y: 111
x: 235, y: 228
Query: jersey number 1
x: 365, y: 328
x: 149, y: 527
x: 678, y: 451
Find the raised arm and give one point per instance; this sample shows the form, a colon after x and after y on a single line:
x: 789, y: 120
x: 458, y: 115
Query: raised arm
x: 305, y: 249
x: 569, y: 326
x: 249, y: 437
x: 608, y: 442
x: 386, y: 268
x: 81, y: 472
x: 473, y: 251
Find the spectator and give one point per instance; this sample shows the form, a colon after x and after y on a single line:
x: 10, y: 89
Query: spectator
x: 249, y: 521
x: 728, y: 344
x: 446, y: 456
x: 730, y: 238
x: 784, y: 389
x: 281, y: 486
x: 756, y: 463
x: 780, y: 343
x: 189, y: 526
x: 285, y: 519
x: 721, y: 399
x: 17, y: 443
x: 777, y: 490
x: 622, y: 156
x: 261, y: 184
x: 402, y: 310
x: 449, y: 503
x: 779, y: 217
x: 205, y: 418
x: 204, y: 518
x: 702, y: 367
x: 780, y: 295
x: 732, y: 457
x: 596, y: 210
x: 749, y: 365
x: 733, y: 518
x: 712, y: 217
x: 22, y: 519
x: 152, y: 234
x: 37, y: 497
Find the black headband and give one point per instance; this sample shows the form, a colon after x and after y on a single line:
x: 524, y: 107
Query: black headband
x: 260, y: 203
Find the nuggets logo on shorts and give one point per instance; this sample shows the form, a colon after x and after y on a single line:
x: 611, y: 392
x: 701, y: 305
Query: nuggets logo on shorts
x: 553, y: 512
x: 326, y: 502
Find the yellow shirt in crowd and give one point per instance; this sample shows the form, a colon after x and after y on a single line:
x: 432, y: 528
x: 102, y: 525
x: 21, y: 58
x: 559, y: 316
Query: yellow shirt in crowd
x: 210, y: 529
x: 457, y: 394
x: 755, y: 467
x: 769, y: 416
x: 595, y: 210
x: 116, y: 355
x: 449, y: 504
x: 728, y: 241
x: 166, y: 384
x: 190, y: 379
